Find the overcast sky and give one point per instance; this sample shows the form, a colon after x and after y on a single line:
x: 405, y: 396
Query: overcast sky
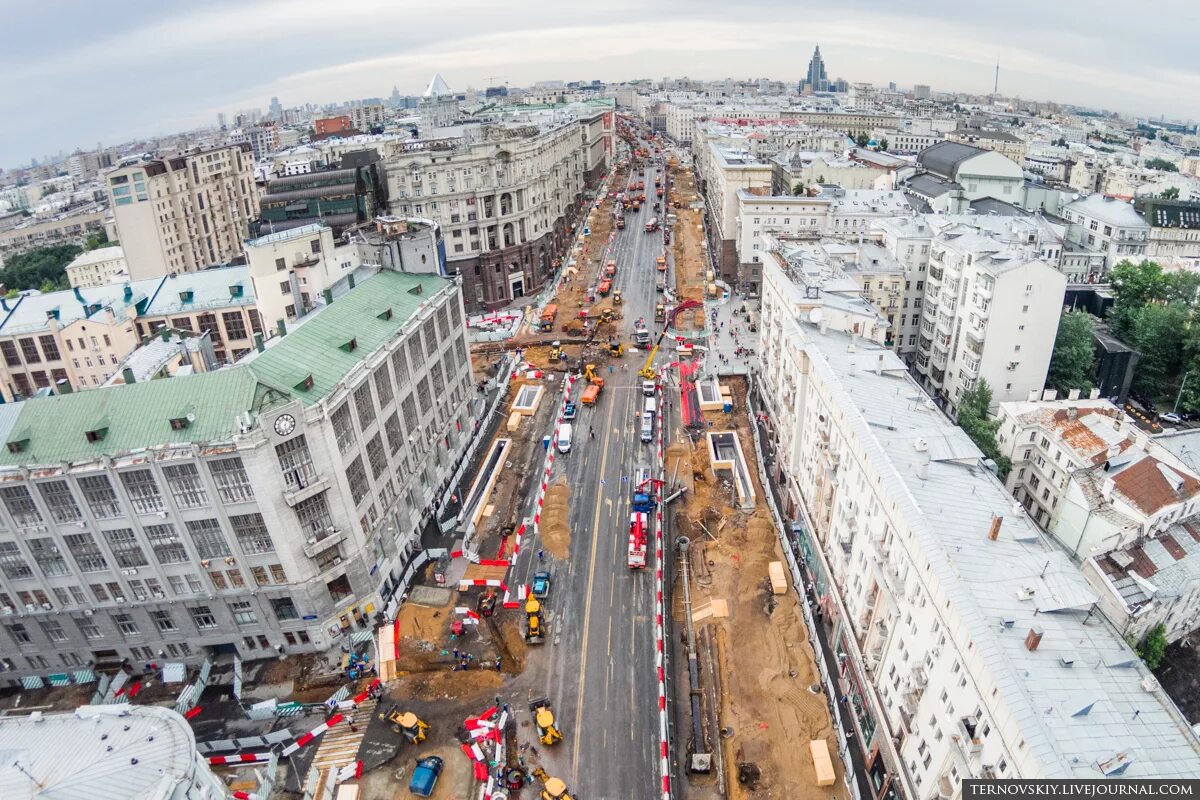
x: 78, y: 72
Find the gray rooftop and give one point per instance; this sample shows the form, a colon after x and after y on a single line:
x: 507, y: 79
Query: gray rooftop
x: 1110, y: 210
x: 944, y: 158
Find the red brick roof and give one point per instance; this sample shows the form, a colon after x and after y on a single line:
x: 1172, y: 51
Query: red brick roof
x: 1145, y: 486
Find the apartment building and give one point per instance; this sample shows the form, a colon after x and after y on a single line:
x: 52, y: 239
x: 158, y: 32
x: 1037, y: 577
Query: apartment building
x: 367, y: 117
x: 803, y: 169
x: 1174, y: 238
x: 185, y: 212
x: 1118, y: 502
x: 1106, y: 225
x: 951, y: 175
x: 997, y: 141
x: 506, y: 198
x: 68, y: 227
x: 724, y: 174
x: 268, y: 507
x: 75, y: 339
x: 967, y: 645
x: 97, y: 267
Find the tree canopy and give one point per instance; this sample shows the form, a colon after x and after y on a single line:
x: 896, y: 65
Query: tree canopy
x: 33, y: 269
x: 1074, y: 354
x: 1170, y: 193
x: 1161, y: 164
x: 973, y: 419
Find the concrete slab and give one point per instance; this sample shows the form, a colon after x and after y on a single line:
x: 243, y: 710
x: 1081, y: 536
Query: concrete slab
x: 434, y: 596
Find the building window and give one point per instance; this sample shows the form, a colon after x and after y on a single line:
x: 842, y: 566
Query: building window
x: 203, y: 617
x: 86, y: 552
x: 143, y: 491
x: 400, y: 366
x: 364, y: 405
x: 49, y: 348
x: 126, y: 549
x: 243, y: 612
x: 20, y: 505
x: 296, y: 463
x: 58, y: 498
x: 165, y: 542
x: 235, y: 325
x: 49, y: 559
x: 377, y: 456
x: 343, y: 427
x: 284, y: 609
x: 315, y: 520
x: 29, y: 351
x: 12, y: 562
x: 9, y: 350
x: 207, y: 537
x: 356, y: 476
x: 383, y: 385
x: 89, y: 629
x: 100, y: 497
x: 19, y: 633
x: 423, y: 401
x: 186, y: 487
x: 395, y: 434
x: 251, y: 533
x: 163, y: 621
x: 125, y: 624
x: 233, y: 485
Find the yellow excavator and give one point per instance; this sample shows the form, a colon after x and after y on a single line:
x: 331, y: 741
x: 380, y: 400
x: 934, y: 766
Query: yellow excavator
x: 406, y: 723
x: 615, y: 349
x: 543, y: 717
x: 535, y: 632
x: 556, y: 351
x: 589, y: 372
x: 552, y: 788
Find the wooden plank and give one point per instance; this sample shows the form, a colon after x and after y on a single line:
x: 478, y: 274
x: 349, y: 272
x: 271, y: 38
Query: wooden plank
x: 779, y: 583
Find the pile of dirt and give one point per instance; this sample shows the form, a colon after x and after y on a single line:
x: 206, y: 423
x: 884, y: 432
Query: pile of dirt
x: 555, y: 530
x: 423, y: 633
x: 445, y: 684
x: 513, y: 644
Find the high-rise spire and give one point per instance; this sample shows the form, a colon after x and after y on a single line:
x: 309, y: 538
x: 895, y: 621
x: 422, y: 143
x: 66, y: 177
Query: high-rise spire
x: 816, y: 79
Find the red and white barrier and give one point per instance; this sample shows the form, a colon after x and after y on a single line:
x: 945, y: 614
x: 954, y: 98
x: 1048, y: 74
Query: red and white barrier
x: 659, y: 638
x: 241, y: 758
x: 240, y: 795
x: 314, y: 733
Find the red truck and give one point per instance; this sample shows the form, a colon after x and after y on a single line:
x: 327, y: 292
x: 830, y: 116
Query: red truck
x: 652, y: 225
x: 638, y: 536
x: 605, y: 287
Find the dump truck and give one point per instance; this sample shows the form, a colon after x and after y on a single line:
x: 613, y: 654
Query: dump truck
x: 605, y: 287
x: 660, y: 263
x: 543, y: 717
x: 652, y: 225
x: 549, y: 314
x: 590, y: 394
x: 641, y: 336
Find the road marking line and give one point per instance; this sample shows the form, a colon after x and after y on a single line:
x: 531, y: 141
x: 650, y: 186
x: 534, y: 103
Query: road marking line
x: 587, y: 607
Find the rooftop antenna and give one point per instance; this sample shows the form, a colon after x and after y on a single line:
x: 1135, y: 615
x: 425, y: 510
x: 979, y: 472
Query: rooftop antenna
x: 996, y: 83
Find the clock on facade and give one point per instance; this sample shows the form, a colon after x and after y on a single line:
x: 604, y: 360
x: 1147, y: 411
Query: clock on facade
x: 285, y: 424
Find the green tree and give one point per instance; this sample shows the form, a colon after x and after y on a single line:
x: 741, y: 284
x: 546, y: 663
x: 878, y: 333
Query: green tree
x: 1153, y: 646
x: 29, y: 270
x: 973, y: 419
x: 1170, y: 193
x: 1156, y: 331
x: 883, y: 145
x: 1134, y: 285
x: 1161, y: 164
x: 862, y: 139
x: 798, y: 189
x: 1072, y: 360
x: 96, y: 240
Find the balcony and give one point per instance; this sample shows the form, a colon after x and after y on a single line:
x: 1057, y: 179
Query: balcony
x: 965, y: 736
x: 303, y: 487
x: 317, y: 545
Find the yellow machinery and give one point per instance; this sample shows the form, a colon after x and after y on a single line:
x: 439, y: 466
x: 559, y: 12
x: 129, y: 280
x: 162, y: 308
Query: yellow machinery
x: 543, y: 717
x: 535, y: 633
x: 589, y: 372
x: 617, y: 299
x: 556, y: 351
x: 407, y: 723
x: 647, y: 371
x: 552, y: 788
x: 615, y: 349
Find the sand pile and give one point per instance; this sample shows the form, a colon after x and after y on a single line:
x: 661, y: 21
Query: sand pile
x: 555, y: 530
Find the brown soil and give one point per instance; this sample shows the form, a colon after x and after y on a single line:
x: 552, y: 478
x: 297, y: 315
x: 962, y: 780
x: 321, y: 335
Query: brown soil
x: 513, y: 641
x: 444, y: 684
x: 555, y: 530
x: 687, y: 243
x: 282, y: 670
x: 766, y: 662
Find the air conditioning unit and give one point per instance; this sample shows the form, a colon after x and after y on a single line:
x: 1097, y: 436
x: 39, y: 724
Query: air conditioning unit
x: 6, y: 610
x: 162, y: 515
x: 119, y: 599
x: 47, y: 606
x: 30, y: 607
x: 159, y: 596
x: 87, y: 612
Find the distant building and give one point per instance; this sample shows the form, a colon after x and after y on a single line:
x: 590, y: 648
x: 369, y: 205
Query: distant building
x: 815, y: 80
x: 185, y: 212
x: 339, y: 197
x: 367, y: 118
x: 1109, y: 226
x: 921, y: 92
x: 438, y: 106
x: 1174, y: 231
x: 97, y: 267
x: 951, y: 175
x: 124, y: 750
x: 332, y: 126
x: 987, y: 139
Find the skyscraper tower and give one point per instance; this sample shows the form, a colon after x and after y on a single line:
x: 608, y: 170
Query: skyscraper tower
x: 816, y: 80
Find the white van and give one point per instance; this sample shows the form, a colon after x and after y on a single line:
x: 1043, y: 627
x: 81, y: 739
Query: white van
x: 650, y: 406
x: 564, y: 438
x: 648, y: 388
x: 647, y: 426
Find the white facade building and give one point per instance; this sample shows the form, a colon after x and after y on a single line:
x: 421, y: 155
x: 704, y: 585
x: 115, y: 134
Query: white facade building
x: 1109, y: 226
x: 97, y: 267
x: 966, y: 647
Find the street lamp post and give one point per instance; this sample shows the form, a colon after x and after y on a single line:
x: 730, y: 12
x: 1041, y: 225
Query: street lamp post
x: 1175, y: 408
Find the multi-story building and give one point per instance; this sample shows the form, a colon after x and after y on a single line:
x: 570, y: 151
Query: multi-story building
x: 990, y: 312
x: 1107, y: 225
x: 332, y: 126
x: 1174, y: 238
x: 70, y: 227
x: 987, y: 139
x: 816, y: 80
x: 368, y: 117
x: 801, y: 169
x: 952, y: 175
x: 274, y: 505
x: 185, y: 212
x: 263, y: 139
x: 97, y: 267
x: 352, y: 192
x: 724, y: 174
x: 967, y: 645
x: 85, y: 166
x: 1121, y: 505
x: 76, y: 339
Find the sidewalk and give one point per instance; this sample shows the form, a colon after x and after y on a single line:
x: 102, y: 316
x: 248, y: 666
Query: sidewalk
x: 730, y: 331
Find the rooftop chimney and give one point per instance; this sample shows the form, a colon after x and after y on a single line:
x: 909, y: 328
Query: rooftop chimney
x: 1033, y: 639
x: 994, y: 530
x: 127, y: 376
x: 281, y: 327
x: 350, y: 280
x: 258, y: 342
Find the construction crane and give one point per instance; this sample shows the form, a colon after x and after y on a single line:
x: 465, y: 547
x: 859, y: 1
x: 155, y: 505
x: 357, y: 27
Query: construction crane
x: 647, y: 371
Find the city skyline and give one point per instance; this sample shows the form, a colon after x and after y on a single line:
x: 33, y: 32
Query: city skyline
x: 196, y: 63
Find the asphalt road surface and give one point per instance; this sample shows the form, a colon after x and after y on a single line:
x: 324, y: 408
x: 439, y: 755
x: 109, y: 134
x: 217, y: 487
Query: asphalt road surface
x: 597, y: 665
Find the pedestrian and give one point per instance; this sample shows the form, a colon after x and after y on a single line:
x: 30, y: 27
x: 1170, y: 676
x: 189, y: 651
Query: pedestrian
x: 353, y: 727
x: 455, y: 651
x: 541, y: 555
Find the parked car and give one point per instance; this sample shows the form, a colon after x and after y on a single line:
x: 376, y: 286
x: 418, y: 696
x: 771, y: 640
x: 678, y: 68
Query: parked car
x: 541, y: 584
x: 570, y: 411
x: 425, y: 776
x: 1171, y: 417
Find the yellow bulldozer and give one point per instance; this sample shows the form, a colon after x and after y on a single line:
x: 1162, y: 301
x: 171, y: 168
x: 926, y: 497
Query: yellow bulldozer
x: 552, y: 788
x: 543, y: 717
x: 407, y: 724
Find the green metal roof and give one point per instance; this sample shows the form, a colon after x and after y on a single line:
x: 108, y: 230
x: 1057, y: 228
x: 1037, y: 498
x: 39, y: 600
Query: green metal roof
x: 56, y: 429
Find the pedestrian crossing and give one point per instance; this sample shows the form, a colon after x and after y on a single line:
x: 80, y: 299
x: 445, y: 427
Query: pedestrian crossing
x: 339, y: 745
